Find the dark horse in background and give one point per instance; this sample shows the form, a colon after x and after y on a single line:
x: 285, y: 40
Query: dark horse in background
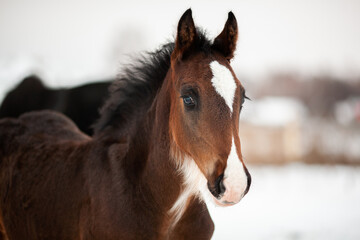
x: 81, y: 104
x: 167, y: 137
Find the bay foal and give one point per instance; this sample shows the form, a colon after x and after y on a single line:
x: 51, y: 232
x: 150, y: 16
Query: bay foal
x: 167, y: 136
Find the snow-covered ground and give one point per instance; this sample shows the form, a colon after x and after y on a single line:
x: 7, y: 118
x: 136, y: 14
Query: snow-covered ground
x: 296, y: 201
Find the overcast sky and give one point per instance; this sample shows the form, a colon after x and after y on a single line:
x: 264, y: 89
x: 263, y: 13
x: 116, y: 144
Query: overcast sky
x: 72, y: 41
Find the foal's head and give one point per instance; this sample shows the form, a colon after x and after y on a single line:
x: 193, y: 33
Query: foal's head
x: 206, y: 102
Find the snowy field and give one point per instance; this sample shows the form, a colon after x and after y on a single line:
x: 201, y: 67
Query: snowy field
x: 295, y: 202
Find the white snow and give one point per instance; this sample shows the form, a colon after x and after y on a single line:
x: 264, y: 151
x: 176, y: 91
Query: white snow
x: 295, y: 201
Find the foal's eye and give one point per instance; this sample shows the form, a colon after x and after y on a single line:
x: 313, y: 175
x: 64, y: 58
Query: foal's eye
x: 188, y: 101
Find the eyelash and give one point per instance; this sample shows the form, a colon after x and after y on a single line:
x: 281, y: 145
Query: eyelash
x: 243, y: 100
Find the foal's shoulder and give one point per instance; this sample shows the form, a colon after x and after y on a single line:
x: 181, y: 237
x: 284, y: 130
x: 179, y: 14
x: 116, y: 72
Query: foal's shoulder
x: 44, y: 123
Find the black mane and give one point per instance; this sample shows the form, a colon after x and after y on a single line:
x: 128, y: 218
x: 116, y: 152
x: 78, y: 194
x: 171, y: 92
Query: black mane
x: 136, y: 87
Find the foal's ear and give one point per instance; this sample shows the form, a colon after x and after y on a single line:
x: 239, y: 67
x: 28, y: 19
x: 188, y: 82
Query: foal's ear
x: 226, y: 41
x: 186, y: 34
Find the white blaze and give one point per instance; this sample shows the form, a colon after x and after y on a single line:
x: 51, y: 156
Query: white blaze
x: 223, y: 82
x: 235, y: 179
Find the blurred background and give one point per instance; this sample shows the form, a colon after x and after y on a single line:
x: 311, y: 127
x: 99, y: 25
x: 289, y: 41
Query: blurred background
x: 299, y: 61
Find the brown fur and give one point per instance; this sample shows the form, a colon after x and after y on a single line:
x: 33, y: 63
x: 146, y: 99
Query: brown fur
x: 226, y: 41
x: 58, y: 183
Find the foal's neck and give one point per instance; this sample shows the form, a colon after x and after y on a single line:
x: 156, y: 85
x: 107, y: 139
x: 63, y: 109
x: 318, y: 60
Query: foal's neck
x: 160, y: 174
x: 161, y: 168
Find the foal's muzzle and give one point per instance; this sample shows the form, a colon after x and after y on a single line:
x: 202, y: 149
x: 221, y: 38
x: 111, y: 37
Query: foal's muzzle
x: 227, y: 196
